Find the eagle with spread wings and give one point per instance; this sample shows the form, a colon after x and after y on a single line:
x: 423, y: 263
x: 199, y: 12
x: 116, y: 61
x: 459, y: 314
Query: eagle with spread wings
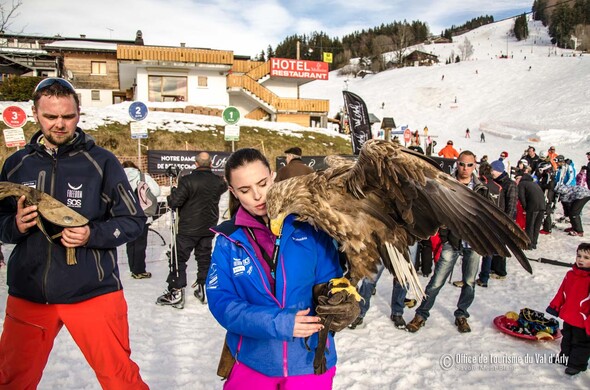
x: 385, y: 201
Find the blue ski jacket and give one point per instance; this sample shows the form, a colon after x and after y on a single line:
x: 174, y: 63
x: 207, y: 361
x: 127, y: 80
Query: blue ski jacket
x: 259, y: 324
x: 89, y: 180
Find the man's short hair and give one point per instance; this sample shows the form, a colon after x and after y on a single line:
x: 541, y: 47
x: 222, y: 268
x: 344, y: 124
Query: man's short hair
x: 294, y: 150
x: 583, y: 247
x: 203, y: 159
x: 54, y: 86
x: 466, y: 153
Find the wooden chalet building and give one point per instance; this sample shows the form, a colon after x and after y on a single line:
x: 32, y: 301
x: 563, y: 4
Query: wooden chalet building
x: 108, y: 71
x: 420, y: 58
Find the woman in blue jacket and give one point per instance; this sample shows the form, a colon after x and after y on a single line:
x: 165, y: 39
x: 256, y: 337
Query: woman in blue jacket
x: 260, y: 289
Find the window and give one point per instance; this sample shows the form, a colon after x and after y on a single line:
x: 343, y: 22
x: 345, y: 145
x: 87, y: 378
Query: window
x: 202, y: 80
x: 95, y: 95
x: 167, y: 88
x: 99, y: 67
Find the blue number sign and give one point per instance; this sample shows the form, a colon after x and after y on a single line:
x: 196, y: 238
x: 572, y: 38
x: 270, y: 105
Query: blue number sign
x: 138, y: 111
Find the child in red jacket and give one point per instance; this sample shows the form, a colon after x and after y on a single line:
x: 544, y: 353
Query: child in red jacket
x: 572, y: 305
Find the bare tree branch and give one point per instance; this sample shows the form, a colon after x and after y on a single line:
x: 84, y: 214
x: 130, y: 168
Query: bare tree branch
x: 8, y: 13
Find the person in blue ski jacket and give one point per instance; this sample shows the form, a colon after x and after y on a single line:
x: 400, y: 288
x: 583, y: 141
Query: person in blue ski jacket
x: 267, y: 306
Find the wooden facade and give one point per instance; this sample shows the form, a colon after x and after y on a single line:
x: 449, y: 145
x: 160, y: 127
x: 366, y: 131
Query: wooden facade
x: 80, y: 66
x: 420, y: 58
x: 174, y: 54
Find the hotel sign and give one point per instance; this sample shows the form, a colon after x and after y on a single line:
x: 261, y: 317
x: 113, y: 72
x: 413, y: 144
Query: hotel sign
x: 301, y: 69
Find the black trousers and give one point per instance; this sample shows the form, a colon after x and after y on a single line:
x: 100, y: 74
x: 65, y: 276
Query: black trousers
x: 534, y: 220
x: 184, y: 246
x: 575, y: 210
x: 575, y: 344
x: 499, y: 265
x: 424, y: 260
x: 136, y: 252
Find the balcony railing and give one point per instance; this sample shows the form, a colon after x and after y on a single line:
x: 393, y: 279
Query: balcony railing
x: 174, y: 54
x: 280, y: 104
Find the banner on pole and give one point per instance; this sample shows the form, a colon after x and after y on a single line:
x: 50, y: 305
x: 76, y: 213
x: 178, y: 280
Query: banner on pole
x: 358, y: 118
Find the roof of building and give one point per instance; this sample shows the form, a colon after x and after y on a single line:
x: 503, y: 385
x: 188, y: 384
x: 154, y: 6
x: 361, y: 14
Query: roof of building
x: 388, y: 123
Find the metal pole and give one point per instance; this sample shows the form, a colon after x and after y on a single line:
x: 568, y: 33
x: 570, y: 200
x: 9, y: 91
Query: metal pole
x: 139, y: 153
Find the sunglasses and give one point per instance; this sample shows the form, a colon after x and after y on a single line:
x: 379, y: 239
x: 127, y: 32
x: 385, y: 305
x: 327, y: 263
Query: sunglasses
x: 466, y: 164
x: 48, y: 82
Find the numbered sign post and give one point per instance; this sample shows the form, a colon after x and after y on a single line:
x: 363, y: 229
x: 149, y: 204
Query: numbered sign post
x: 407, y: 136
x: 14, y: 116
x: 138, y: 111
x: 231, y: 116
x: 14, y: 137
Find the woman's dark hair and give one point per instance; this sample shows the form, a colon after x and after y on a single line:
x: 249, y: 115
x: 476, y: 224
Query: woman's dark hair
x: 485, y: 169
x: 238, y: 159
x: 129, y: 164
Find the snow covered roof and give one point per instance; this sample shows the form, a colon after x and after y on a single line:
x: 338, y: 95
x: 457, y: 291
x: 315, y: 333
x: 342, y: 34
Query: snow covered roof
x: 88, y: 45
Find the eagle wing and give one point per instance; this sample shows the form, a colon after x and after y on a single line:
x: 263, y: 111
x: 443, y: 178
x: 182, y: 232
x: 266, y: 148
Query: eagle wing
x: 414, y: 193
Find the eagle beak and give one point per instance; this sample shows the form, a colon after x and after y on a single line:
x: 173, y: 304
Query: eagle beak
x: 276, y: 224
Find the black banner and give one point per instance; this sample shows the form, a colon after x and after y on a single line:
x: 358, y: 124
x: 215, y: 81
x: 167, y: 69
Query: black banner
x: 160, y: 160
x: 358, y: 120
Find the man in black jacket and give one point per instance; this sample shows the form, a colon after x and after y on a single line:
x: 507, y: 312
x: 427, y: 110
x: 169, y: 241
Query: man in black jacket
x: 508, y: 201
x: 197, y: 201
x: 45, y: 291
x: 453, y: 247
x: 532, y: 200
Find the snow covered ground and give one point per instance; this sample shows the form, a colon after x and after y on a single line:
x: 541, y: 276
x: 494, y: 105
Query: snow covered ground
x: 548, y: 105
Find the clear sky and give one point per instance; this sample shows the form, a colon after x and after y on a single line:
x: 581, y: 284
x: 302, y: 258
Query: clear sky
x: 246, y: 26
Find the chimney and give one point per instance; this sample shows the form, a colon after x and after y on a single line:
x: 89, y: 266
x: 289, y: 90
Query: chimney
x: 182, y: 44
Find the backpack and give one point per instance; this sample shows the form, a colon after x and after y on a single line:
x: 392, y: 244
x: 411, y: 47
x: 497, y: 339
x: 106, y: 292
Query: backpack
x: 147, y: 201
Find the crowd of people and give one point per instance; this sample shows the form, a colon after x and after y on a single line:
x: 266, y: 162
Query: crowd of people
x: 268, y: 291
x: 529, y: 193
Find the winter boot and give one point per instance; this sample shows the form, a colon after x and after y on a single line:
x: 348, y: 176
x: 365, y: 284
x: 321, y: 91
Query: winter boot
x: 200, y: 293
x: 398, y: 321
x: 174, y: 297
x: 415, y: 324
x: 358, y: 323
x: 462, y: 325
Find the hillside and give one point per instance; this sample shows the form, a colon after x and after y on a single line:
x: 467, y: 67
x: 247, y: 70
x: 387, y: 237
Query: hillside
x: 537, y: 96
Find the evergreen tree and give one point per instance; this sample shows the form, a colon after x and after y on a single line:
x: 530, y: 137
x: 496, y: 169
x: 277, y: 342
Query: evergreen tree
x: 539, y: 11
x: 18, y: 89
x: 562, y: 25
x: 521, y: 28
x: 269, y: 52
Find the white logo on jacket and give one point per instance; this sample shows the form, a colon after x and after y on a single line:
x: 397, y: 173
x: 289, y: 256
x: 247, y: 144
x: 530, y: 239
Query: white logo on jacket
x: 74, y: 196
x: 239, y: 266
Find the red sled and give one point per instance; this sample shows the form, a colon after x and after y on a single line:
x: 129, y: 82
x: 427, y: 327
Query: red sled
x: 502, y: 323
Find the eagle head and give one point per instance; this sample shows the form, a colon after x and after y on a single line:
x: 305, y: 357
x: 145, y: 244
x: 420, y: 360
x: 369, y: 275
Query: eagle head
x: 291, y: 196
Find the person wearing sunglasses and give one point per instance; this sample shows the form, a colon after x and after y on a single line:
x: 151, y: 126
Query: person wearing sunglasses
x: 453, y: 247
x: 45, y: 290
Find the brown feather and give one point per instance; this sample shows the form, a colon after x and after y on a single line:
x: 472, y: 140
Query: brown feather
x: 393, y: 195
